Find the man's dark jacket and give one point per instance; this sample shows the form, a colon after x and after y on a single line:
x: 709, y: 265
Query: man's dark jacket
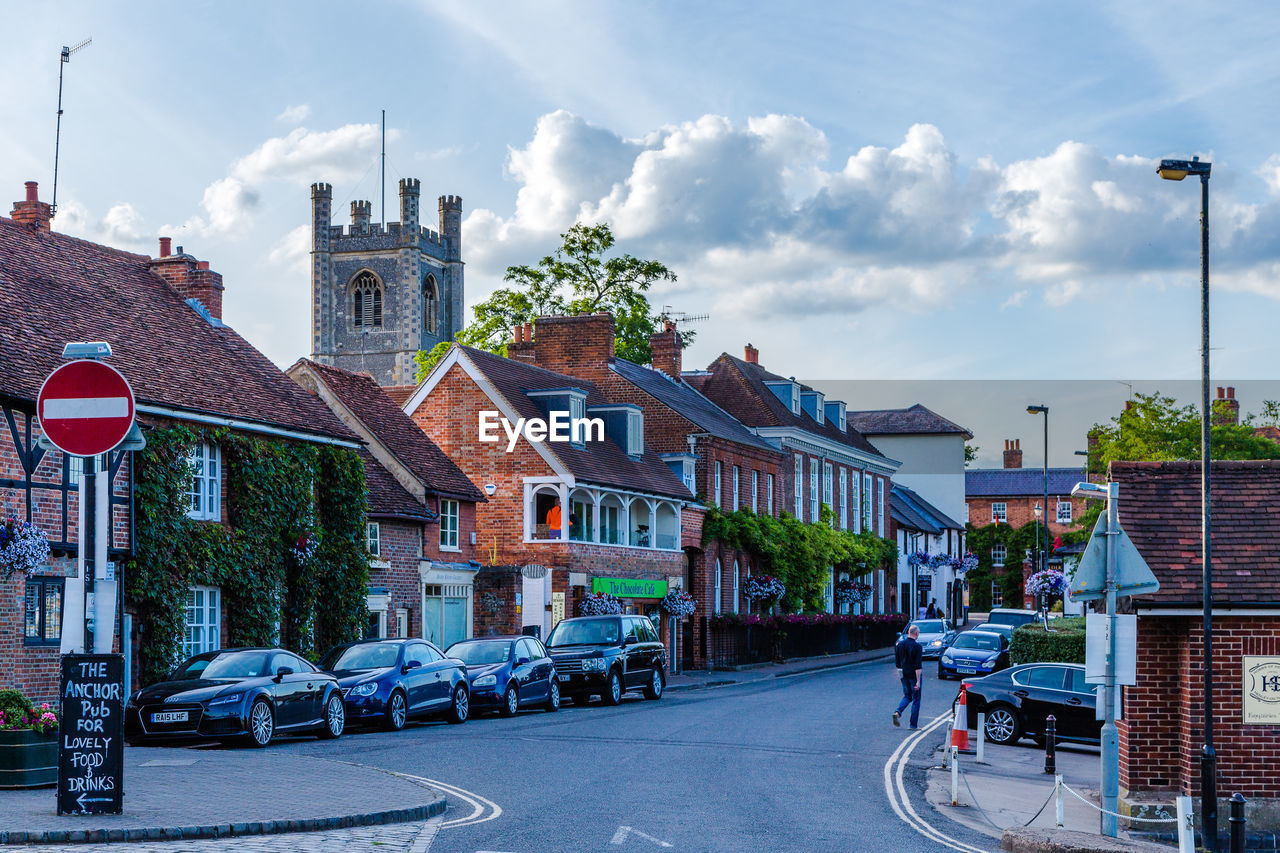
x: 909, y: 657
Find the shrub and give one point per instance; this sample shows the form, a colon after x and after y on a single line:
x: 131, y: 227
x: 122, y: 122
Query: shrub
x: 1063, y: 644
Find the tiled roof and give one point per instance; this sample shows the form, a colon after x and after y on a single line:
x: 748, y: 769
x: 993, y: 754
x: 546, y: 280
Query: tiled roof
x: 399, y: 394
x: 602, y: 462
x: 55, y: 288
x: 738, y: 387
x: 386, y: 495
x: 1019, y: 482
x: 1160, y: 510
x: 914, y: 512
x: 396, y: 430
x: 911, y: 420
x: 689, y: 402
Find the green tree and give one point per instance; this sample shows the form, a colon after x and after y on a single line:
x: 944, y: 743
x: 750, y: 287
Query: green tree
x: 580, y: 278
x: 970, y: 454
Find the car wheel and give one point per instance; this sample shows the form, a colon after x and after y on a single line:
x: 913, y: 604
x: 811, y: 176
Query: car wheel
x: 553, y: 695
x: 262, y: 723
x: 460, y: 707
x: 653, y: 690
x: 397, y: 712
x: 335, y: 717
x: 510, y: 702
x: 1003, y: 726
x: 612, y: 694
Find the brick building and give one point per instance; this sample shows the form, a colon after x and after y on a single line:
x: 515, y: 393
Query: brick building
x: 422, y: 513
x: 163, y: 318
x: 563, y: 518
x: 827, y: 462
x: 1161, y: 733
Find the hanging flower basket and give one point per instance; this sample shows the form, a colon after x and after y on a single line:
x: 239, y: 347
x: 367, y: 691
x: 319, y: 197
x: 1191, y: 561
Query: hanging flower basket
x: 967, y: 563
x: 918, y: 559
x: 599, y: 604
x: 23, y: 548
x: 852, y: 592
x: 940, y: 561
x: 28, y: 743
x: 1047, y: 582
x: 763, y: 588
x: 679, y: 604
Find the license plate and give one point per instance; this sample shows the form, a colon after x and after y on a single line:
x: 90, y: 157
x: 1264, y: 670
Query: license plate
x: 169, y: 717
x: 564, y: 676
x: 966, y: 669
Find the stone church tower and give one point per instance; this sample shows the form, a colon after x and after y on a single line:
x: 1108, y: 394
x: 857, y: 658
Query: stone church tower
x: 381, y: 292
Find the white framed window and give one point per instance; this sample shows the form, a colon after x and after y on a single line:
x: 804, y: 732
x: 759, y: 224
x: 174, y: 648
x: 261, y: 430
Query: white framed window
x: 799, y: 488
x: 402, y: 622
x: 75, y: 470
x: 997, y: 594
x: 814, y: 515
x: 204, y: 492
x: 735, y: 586
x: 880, y: 506
x: 999, y: 511
x: 998, y: 554
x: 688, y: 476
x: 578, y: 411
x: 755, y: 491
x: 736, y: 484
x: 635, y: 433
x: 795, y: 398
x: 855, y: 499
x: 202, y: 631
x: 373, y: 535
x: 844, y: 499
x: 768, y: 501
x: 828, y: 495
x: 716, y: 486
x: 866, y: 502
x: 448, y: 525
x: 1064, y: 512
x: 717, y: 587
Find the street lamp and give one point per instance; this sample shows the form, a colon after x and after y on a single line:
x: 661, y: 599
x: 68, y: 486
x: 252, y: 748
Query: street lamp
x: 1176, y: 170
x: 1044, y: 554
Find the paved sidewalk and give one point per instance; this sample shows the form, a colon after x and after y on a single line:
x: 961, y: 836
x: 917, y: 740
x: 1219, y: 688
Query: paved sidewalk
x: 216, y: 792
x: 697, y: 679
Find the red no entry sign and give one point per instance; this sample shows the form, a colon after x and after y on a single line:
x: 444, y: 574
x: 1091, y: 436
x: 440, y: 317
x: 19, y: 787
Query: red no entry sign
x: 85, y: 408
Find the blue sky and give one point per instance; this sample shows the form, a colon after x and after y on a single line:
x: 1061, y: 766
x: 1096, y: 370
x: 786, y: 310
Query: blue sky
x: 870, y: 191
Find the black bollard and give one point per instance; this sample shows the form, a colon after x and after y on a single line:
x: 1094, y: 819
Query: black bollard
x: 1050, y: 739
x: 1237, y: 822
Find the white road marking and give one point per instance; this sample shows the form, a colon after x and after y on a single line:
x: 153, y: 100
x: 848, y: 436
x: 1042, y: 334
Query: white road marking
x: 895, y: 789
x: 623, y: 831
x: 75, y: 408
x: 482, y: 809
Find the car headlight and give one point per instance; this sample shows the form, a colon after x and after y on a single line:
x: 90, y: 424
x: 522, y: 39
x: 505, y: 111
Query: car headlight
x: 991, y: 661
x: 935, y: 643
x: 947, y: 658
x: 229, y: 699
x: 486, y: 681
x: 367, y: 689
x: 593, y: 665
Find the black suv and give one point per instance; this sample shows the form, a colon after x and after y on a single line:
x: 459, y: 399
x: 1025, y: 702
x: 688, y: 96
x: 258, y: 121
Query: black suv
x: 607, y: 656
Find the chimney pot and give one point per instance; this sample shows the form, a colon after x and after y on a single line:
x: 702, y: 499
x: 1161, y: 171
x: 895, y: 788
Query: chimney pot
x: 180, y: 250
x: 33, y: 191
x: 528, y: 333
x: 166, y: 247
x: 1221, y: 393
x: 202, y: 265
x: 752, y: 354
x: 1231, y: 393
x: 517, y: 334
x: 1013, y: 453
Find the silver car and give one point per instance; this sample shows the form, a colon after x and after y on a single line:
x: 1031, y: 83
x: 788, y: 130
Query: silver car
x: 935, y: 635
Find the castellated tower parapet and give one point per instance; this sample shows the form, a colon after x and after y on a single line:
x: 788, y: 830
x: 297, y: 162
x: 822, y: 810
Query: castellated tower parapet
x: 451, y: 223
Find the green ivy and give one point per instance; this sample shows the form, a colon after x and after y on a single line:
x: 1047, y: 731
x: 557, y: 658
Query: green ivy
x: 1017, y: 541
x: 276, y: 491
x: 800, y: 554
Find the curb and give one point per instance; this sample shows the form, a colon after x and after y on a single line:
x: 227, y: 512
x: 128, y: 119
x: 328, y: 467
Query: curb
x: 818, y: 667
x: 225, y: 830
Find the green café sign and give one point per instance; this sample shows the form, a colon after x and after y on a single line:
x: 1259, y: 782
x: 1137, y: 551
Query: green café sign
x: 629, y: 587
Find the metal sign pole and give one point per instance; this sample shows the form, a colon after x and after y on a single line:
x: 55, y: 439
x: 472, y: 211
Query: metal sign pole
x: 1110, y: 735
x: 88, y: 545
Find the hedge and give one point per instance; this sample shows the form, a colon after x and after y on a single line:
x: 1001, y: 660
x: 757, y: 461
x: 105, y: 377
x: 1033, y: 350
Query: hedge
x: 1064, y: 644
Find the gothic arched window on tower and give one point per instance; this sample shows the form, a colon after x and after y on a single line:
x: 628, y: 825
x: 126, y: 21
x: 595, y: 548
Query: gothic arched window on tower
x: 366, y: 301
x: 430, y: 305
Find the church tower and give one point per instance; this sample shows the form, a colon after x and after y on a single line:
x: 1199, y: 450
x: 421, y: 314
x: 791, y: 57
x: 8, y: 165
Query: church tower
x: 382, y: 291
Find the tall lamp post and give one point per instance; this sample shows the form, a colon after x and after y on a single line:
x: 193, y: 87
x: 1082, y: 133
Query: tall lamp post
x: 1044, y: 554
x: 1176, y: 170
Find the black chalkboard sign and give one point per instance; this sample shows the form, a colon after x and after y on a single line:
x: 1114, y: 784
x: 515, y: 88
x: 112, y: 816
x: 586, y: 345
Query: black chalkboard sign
x: 91, y: 735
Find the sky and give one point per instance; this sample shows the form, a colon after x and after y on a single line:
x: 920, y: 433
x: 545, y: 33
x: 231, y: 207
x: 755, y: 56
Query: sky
x: 863, y: 191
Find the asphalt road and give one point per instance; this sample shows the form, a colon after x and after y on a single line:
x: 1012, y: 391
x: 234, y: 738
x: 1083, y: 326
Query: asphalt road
x: 796, y: 763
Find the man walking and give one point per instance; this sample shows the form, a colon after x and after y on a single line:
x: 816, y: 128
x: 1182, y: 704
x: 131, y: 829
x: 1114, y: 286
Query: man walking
x: 909, y: 657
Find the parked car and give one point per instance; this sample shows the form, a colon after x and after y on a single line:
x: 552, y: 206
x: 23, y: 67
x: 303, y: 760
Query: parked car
x: 607, y: 656
x: 1007, y: 630
x: 235, y: 694
x: 935, y: 635
x: 390, y: 681
x: 1016, y: 702
x: 1010, y: 616
x: 508, y: 673
x: 974, y: 653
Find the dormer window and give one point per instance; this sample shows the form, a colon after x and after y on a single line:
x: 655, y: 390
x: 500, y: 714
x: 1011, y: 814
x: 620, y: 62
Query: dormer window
x: 835, y: 412
x: 812, y: 403
x: 786, y: 391
x: 578, y: 411
x: 635, y: 433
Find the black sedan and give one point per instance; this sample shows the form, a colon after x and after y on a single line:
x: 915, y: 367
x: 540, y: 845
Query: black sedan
x: 388, y: 682
x: 508, y: 673
x: 1017, y: 701
x: 235, y: 694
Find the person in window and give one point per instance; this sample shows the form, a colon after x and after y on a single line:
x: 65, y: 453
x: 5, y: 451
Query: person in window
x: 642, y: 539
x: 553, y: 521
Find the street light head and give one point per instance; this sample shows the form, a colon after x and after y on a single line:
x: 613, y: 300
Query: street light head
x: 87, y: 349
x: 1037, y: 410
x: 1039, y: 510
x: 1090, y: 491
x: 1176, y: 170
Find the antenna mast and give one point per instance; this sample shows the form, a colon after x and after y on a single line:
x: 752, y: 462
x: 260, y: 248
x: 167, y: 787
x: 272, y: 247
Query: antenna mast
x: 383, y: 183
x: 57, y: 136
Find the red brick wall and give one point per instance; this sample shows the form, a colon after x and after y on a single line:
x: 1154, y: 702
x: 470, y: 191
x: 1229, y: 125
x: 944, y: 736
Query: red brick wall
x: 1021, y: 511
x: 400, y: 545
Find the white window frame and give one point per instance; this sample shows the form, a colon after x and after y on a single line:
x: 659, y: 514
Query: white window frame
x: 880, y: 506
x: 997, y: 594
x: 577, y: 412
x: 799, y: 487
x: 204, y: 492
x: 866, y: 502
x: 814, y: 514
x: 768, y: 481
x: 736, y: 577
x: 828, y: 489
x: 208, y: 624
x: 999, y: 553
x: 736, y: 486
x: 716, y: 486
x: 1064, y: 517
x: 373, y: 537
x: 75, y: 470
x: 844, y: 498
x: 999, y: 511
x: 755, y: 490
x: 450, y: 521
x: 688, y: 477
x: 855, y: 498
x: 717, y: 590
x: 635, y: 432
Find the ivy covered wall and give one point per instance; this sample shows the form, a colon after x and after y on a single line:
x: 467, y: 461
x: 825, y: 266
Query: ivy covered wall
x: 277, y: 492
x: 1017, y: 542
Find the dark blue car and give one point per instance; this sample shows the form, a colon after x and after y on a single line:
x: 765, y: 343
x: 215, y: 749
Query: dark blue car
x: 388, y: 682
x: 509, y: 673
x: 974, y: 653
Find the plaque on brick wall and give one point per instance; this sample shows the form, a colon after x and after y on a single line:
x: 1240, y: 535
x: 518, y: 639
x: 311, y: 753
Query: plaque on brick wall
x: 91, y: 735
x: 1261, y: 687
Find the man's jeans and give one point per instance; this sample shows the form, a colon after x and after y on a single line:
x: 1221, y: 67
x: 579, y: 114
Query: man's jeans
x: 910, y: 696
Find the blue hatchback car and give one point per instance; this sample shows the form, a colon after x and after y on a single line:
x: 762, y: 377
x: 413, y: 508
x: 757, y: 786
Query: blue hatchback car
x: 974, y: 653
x: 391, y: 681
x: 508, y: 673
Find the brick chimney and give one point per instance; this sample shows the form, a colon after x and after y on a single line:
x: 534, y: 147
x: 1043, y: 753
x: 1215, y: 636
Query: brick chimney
x: 1013, y: 453
x: 666, y: 350
x: 579, y: 346
x: 751, y: 354
x: 521, y: 346
x: 32, y: 211
x: 1226, y: 409
x: 192, y: 279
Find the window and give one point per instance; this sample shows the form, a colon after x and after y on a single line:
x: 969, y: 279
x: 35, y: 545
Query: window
x: 75, y: 470
x: 880, y: 506
x: 999, y: 512
x: 204, y: 493
x: 366, y: 301
x: 203, y: 628
x: 717, y: 587
x: 581, y: 519
x: 736, y: 492
x: 43, y: 611
x: 688, y: 477
x: 448, y: 525
x: 998, y: 554
x: 372, y: 533
x: 844, y: 499
x: 768, y: 483
x: 813, y: 490
x: 719, y: 475
x: 577, y: 411
x: 635, y: 433
x: 755, y: 491
x: 866, y: 502
x: 735, y: 586
x: 430, y: 305
x: 997, y: 594
x: 828, y: 497
x: 610, y: 531
x: 1064, y: 512
x: 799, y: 488
x: 855, y: 499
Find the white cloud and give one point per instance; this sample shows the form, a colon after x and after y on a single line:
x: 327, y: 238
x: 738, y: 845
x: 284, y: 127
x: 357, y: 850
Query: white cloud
x: 1015, y: 300
x: 293, y: 250
x: 122, y: 226
x: 296, y: 114
x: 1063, y: 292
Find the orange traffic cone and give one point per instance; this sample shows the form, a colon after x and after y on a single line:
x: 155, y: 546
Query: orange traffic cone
x: 960, y: 728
